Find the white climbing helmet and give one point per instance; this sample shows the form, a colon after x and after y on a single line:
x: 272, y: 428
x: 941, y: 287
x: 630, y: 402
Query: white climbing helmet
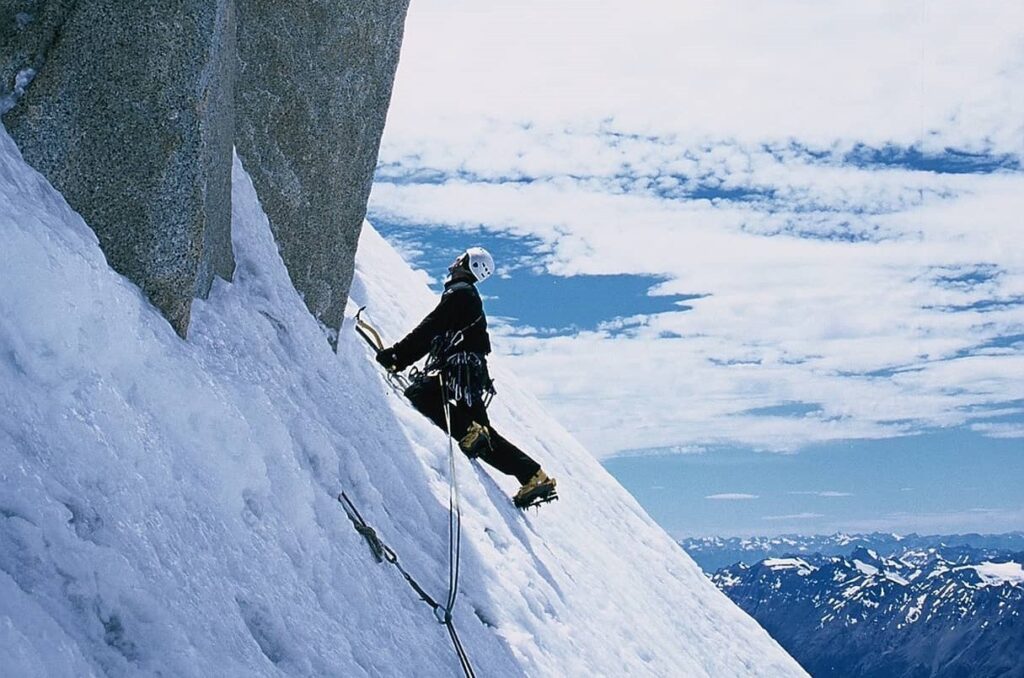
x: 479, y: 262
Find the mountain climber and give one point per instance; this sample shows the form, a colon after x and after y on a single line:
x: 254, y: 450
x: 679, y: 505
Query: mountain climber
x: 455, y: 336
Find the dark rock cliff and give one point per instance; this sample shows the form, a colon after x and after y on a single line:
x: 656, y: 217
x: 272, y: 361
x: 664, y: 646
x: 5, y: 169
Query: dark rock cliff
x: 131, y: 110
x: 127, y: 117
x: 314, y: 83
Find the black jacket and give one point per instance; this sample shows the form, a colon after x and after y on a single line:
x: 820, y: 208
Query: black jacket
x: 460, y: 309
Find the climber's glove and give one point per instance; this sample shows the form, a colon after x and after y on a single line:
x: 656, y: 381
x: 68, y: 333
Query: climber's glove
x: 388, y: 358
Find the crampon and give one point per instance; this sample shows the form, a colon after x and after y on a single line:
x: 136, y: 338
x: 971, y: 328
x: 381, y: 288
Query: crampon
x: 542, y: 495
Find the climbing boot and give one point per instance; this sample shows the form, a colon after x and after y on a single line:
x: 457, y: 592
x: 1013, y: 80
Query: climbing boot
x: 539, y: 489
x: 476, y: 442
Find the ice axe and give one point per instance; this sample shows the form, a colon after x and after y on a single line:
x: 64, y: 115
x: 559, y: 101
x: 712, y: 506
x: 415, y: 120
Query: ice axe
x: 368, y: 332
x: 371, y: 336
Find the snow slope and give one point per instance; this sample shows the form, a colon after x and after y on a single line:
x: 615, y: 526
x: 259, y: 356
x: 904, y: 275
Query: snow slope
x: 168, y: 507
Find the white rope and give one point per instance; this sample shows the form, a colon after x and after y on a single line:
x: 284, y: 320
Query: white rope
x: 454, y: 509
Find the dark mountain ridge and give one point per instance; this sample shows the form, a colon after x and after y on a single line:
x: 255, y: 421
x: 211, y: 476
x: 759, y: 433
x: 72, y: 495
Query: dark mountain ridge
x: 940, y: 610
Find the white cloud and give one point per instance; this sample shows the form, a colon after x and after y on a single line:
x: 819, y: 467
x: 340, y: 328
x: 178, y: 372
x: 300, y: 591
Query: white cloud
x: 813, y: 318
x: 732, y: 496
x: 878, y: 71
x: 1000, y: 430
x: 795, y: 516
x: 824, y: 493
x: 828, y: 283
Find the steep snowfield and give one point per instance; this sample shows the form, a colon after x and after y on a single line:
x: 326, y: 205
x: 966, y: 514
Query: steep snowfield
x: 168, y: 507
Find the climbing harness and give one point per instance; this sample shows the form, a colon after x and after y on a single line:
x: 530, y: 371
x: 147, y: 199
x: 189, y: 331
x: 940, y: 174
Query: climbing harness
x: 464, y: 372
x: 467, y: 379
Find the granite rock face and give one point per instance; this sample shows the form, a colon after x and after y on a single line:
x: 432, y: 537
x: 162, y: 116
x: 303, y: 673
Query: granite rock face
x: 218, y: 131
x: 312, y: 91
x: 134, y: 108
x: 27, y: 29
x: 130, y: 117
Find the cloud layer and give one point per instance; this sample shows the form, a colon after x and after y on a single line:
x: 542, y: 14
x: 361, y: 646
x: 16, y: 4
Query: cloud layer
x: 841, y: 185
x: 936, y: 73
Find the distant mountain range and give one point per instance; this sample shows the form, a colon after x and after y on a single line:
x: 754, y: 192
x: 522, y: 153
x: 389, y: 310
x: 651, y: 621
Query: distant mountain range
x: 714, y: 553
x: 925, y: 606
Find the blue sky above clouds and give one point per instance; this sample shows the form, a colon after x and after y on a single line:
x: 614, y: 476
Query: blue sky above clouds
x: 772, y: 229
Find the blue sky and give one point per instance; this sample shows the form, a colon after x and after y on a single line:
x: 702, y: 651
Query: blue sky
x: 775, y: 242
x: 524, y: 295
x: 944, y: 482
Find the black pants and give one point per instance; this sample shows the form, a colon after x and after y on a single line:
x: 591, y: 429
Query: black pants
x: 425, y: 396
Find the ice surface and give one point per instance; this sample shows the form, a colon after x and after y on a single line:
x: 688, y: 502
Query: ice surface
x: 168, y: 507
x: 864, y: 568
x: 997, y: 574
x: 799, y: 564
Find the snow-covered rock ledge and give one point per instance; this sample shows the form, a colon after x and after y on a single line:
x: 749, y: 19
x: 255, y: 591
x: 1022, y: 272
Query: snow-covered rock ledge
x: 168, y: 507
